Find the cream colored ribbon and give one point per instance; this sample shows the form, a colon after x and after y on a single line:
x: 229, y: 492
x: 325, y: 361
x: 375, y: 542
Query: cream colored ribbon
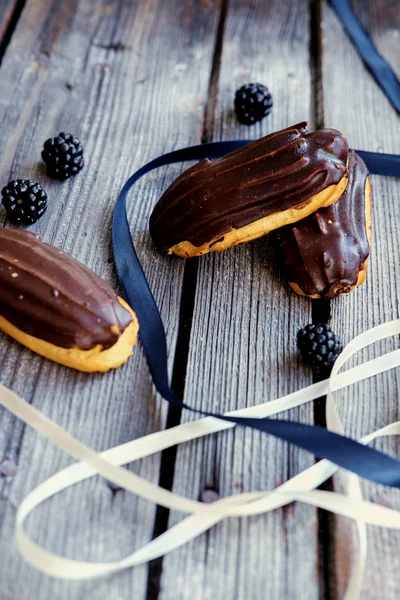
x: 203, y: 516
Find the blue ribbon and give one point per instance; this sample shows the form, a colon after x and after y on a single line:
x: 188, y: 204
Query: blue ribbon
x: 378, y: 66
x: 345, y: 452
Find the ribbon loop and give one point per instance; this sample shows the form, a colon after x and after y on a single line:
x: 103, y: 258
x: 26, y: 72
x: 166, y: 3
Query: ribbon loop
x: 343, y: 451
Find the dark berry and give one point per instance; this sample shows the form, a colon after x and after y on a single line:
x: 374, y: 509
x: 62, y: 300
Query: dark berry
x: 63, y: 156
x: 24, y: 200
x: 253, y: 102
x: 319, y: 346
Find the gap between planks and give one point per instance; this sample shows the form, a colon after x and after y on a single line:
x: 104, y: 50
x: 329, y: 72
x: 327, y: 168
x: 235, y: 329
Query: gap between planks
x: 321, y: 309
x: 8, y: 22
x: 8, y: 27
x: 188, y: 296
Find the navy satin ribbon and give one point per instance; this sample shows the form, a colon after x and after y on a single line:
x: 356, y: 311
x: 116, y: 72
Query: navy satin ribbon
x: 345, y: 452
x: 378, y: 66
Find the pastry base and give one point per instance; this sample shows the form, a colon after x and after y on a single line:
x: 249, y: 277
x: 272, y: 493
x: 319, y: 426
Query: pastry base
x: 364, y: 267
x: 90, y: 361
x: 263, y: 226
x: 361, y: 278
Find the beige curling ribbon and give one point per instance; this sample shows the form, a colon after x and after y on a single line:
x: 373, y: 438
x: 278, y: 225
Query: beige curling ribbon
x: 301, y: 487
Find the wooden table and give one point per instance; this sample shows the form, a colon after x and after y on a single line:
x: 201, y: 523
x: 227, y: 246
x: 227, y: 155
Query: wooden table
x: 134, y: 79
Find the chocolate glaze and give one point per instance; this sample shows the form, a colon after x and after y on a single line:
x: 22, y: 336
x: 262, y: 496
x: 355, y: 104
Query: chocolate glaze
x: 280, y: 171
x: 48, y: 294
x: 325, y: 252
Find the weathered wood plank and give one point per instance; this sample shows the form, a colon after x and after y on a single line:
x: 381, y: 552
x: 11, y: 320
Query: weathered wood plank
x: 243, y: 351
x: 130, y: 79
x: 7, y: 8
x: 356, y: 105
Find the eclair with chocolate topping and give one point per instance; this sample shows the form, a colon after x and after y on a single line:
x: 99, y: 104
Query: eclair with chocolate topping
x: 271, y: 182
x: 326, y: 254
x: 58, y: 308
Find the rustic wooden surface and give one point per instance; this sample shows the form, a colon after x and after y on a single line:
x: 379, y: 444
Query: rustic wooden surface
x: 370, y: 123
x: 81, y: 67
x: 7, y: 10
x: 239, y: 295
x: 135, y: 79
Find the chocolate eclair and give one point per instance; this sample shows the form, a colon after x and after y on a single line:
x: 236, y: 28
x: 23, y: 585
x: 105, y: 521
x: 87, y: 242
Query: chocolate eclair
x: 326, y: 254
x: 271, y: 182
x: 58, y: 308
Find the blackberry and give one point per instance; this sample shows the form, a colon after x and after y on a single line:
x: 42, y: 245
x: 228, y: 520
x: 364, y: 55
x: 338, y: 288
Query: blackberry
x: 24, y: 200
x: 253, y: 102
x: 63, y: 156
x: 319, y: 346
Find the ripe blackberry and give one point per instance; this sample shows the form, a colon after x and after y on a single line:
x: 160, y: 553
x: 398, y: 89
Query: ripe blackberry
x: 63, y: 156
x: 24, y: 200
x: 253, y: 102
x: 319, y: 346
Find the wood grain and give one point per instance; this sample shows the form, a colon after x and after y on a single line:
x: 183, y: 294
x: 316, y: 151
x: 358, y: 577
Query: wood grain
x: 356, y: 105
x: 243, y: 351
x: 7, y: 8
x: 130, y: 79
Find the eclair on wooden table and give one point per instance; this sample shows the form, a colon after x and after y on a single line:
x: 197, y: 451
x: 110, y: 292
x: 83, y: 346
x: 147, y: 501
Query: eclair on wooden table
x: 326, y: 254
x: 271, y: 182
x: 58, y: 308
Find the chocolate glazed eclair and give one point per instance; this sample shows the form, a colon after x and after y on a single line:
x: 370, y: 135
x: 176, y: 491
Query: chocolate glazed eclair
x: 326, y: 254
x: 271, y: 182
x: 58, y: 308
